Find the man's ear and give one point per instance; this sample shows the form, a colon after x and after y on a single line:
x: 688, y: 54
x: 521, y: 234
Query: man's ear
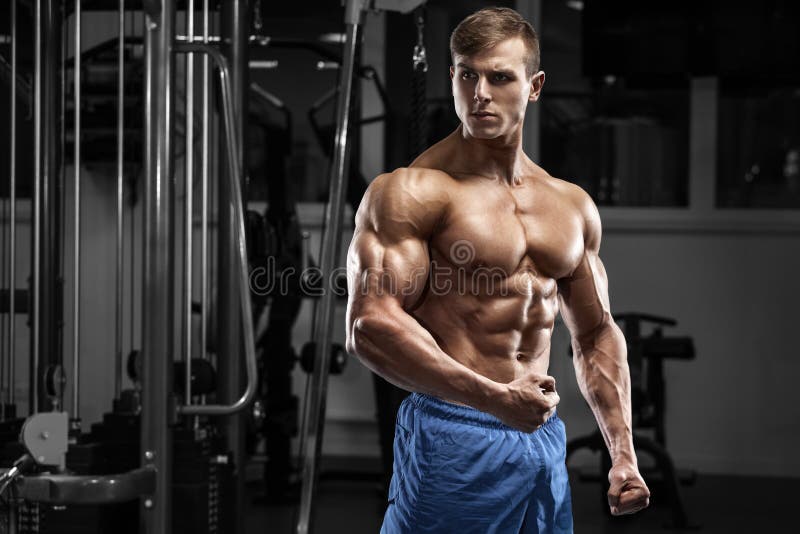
x: 452, y: 72
x: 537, y: 81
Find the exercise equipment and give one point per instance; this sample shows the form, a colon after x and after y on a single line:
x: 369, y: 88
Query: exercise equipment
x: 158, y: 449
x: 315, y: 401
x: 338, y: 360
x: 646, y: 357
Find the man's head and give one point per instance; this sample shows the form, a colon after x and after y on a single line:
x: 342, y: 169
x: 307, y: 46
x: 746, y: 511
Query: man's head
x: 495, y: 71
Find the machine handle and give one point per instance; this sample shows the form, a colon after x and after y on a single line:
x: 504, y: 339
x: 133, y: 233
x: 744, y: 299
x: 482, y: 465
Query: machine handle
x: 233, y: 144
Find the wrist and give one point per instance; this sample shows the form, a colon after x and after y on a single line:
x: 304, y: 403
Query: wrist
x: 487, y: 394
x: 624, y: 457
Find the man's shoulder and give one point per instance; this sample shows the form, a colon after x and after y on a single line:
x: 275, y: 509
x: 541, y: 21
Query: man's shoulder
x: 419, y: 182
x: 572, y: 193
x: 411, y: 197
x: 577, y: 199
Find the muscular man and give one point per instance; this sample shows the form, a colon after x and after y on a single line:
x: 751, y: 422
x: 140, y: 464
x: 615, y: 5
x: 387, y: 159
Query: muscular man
x: 457, y: 269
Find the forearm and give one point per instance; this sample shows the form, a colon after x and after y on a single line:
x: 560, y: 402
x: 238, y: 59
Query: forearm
x: 395, y: 346
x: 601, y: 367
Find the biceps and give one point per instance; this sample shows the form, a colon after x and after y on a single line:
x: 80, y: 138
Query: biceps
x: 396, y: 271
x: 584, y: 296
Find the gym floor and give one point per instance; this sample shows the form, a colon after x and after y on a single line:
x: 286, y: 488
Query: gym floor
x: 715, y: 504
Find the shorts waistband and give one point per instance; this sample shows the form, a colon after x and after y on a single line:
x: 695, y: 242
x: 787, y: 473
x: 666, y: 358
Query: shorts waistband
x: 458, y: 412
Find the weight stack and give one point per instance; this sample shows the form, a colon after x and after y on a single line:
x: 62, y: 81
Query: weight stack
x: 202, y: 484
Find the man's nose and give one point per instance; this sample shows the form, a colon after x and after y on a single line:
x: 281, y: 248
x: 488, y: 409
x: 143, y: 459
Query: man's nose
x: 482, y: 93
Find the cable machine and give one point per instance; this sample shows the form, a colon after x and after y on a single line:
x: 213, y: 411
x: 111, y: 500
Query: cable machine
x: 178, y: 176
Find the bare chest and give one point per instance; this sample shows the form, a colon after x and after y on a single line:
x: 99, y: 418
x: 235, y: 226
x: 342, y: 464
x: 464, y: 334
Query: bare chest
x: 511, y: 229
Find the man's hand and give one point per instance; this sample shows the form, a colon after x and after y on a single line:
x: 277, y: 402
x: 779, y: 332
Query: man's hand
x: 628, y: 493
x: 527, y: 402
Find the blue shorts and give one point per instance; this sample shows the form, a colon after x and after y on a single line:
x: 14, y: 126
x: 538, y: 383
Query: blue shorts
x: 460, y: 470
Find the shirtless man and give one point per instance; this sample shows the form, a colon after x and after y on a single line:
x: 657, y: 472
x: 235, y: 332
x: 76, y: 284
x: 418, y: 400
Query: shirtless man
x: 457, y: 269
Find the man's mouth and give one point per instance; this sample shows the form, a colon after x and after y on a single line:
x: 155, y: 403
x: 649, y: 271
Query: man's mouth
x: 483, y: 114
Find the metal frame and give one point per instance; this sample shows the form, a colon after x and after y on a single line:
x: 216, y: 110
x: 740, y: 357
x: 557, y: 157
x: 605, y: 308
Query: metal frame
x: 12, y: 338
x: 120, y: 192
x: 157, y: 295
x: 234, y: 29
x: 331, y: 244
x: 188, y: 204
x: 313, y: 423
x: 76, y: 265
x: 46, y: 249
x: 160, y: 409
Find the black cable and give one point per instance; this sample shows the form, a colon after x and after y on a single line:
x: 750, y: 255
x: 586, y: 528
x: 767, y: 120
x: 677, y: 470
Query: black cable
x: 418, y: 128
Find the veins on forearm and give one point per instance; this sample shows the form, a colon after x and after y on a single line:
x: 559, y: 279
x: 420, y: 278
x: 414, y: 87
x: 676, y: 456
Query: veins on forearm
x: 603, y: 376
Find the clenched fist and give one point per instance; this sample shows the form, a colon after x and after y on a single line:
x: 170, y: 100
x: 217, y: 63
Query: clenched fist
x: 527, y: 402
x: 628, y: 492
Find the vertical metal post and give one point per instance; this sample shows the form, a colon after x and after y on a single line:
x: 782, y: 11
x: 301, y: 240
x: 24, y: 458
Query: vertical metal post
x: 157, y: 296
x: 13, y: 213
x: 331, y: 245
x: 235, y: 33
x: 189, y: 177
x: 120, y: 191
x: 62, y: 170
x: 76, y: 280
x: 33, y: 378
x: 204, y: 171
x: 46, y: 313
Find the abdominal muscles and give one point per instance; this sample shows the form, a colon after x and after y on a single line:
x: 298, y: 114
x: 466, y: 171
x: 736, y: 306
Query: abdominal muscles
x: 500, y: 328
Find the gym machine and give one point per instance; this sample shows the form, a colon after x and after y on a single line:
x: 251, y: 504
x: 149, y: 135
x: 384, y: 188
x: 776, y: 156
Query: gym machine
x: 313, y: 423
x: 160, y: 449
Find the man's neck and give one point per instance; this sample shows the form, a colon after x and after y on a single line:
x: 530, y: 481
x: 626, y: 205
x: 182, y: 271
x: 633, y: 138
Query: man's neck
x: 501, y: 158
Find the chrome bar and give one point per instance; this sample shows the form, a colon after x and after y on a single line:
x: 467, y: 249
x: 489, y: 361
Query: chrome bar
x: 76, y: 290
x: 189, y: 175
x: 158, y: 298
x: 206, y: 38
x: 62, y: 198
x: 132, y: 280
x: 204, y: 168
x: 12, y: 340
x: 331, y: 244
x: 120, y: 192
x: 45, y: 289
x: 33, y: 377
x: 266, y: 64
x: 232, y: 143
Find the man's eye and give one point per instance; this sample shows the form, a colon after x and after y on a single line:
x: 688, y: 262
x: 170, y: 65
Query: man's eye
x: 467, y: 75
x: 501, y: 77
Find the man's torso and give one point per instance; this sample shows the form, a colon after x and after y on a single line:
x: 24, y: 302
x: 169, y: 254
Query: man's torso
x: 491, y: 298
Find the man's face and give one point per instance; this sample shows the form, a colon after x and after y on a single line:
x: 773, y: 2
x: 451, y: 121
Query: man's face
x: 491, y: 90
